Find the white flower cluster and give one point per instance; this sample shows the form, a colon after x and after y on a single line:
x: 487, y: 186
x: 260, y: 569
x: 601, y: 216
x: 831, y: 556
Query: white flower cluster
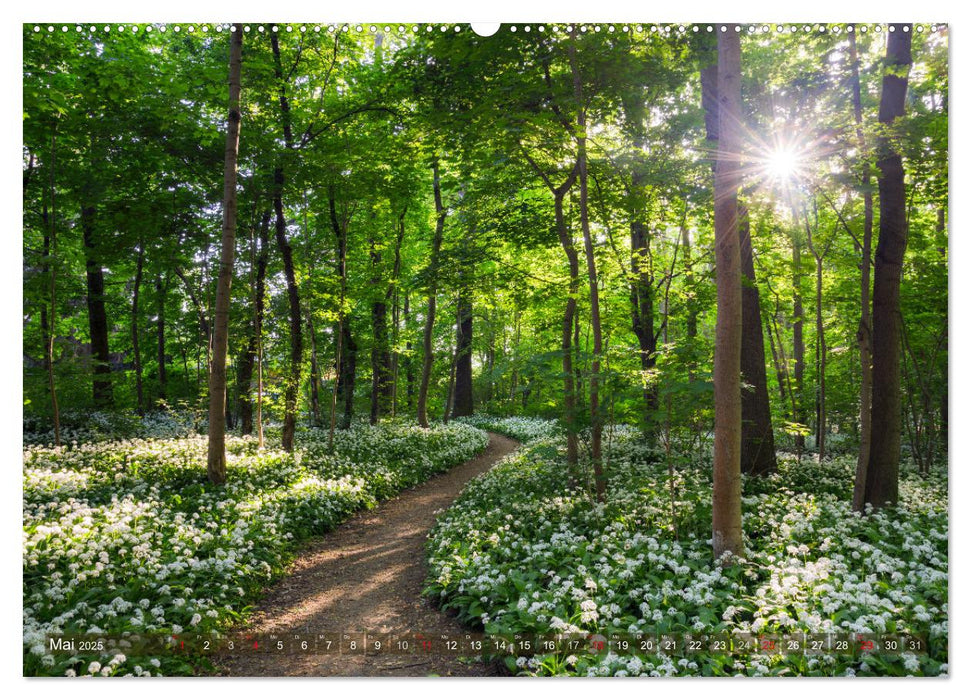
x: 128, y: 537
x: 550, y: 559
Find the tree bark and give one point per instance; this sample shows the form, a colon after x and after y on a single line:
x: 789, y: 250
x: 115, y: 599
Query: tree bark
x: 727, y: 491
x: 884, y: 460
x: 798, y: 346
x: 136, y: 350
x: 339, y: 227
x: 642, y: 314
x: 160, y: 335
x: 292, y: 381
x: 50, y: 264
x: 216, y: 467
x: 348, y: 373
x: 249, y: 357
x: 863, y: 334
x: 462, y: 403
x: 409, y: 360
x: 758, y: 443
x: 596, y: 419
x: 428, y: 356
x: 97, y: 316
x: 569, y: 315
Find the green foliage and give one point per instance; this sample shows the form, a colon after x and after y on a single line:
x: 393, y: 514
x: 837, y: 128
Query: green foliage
x: 550, y: 560
x: 127, y: 537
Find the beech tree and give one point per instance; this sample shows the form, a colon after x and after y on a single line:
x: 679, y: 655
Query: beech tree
x: 727, y: 478
x: 220, y: 345
x: 883, y: 466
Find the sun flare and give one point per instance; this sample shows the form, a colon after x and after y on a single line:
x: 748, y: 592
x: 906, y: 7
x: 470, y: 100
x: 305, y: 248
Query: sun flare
x: 782, y: 164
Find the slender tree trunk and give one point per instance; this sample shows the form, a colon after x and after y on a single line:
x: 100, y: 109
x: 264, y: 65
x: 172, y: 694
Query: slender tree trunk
x: 160, y: 335
x: 216, y: 467
x: 97, y: 316
x: 883, y: 468
x: 409, y: 360
x: 450, y: 388
x: 314, y: 372
x: 863, y: 334
x: 758, y: 443
x: 727, y: 491
x: 291, y: 389
x: 818, y: 255
x: 50, y: 323
x: 428, y: 356
x: 249, y: 357
x: 691, y: 316
x: 348, y: 375
x: 136, y: 350
x: 798, y: 346
x: 596, y: 419
x: 339, y: 227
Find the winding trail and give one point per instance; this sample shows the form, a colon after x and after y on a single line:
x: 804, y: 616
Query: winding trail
x: 366, y: 575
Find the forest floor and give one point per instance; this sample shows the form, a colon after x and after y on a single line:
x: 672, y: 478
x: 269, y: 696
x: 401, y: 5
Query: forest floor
x: 366, y: 575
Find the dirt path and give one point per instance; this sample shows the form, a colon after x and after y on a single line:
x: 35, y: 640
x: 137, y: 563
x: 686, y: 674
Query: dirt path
x: 366, y: 575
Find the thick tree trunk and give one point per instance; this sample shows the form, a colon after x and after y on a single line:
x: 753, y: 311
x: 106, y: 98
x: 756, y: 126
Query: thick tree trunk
x: 596, y: 419
x: 883, y: 466
x: 462, y: 403
x: 727, y: 491
x: 136, y: 350
x: 216, y: 467
x: 758, y: 444
x: 97, y: 316
x: 642, y: 315
x: 428, y: 354
x: 863, y: 334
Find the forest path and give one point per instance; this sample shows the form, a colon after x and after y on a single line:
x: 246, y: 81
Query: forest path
x: 366, y: 575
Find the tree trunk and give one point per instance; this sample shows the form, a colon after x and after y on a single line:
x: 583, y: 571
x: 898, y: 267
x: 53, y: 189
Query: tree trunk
x: 758, y: 443
x: 314, y: 372
x: 97, y: 316
x: 462, y: 404
x: 339, y: 227
x: 428, y: 356
x: 249, y: 358
x: 883, y: 468
x: 798, y: 347
x: 727, y: 491
x: 348, y: 374
x: 136, y: 350
x: 216, y: 467
x: 291, y: 389
x: 160, y: 335
x: 569, y: 315
x: 820, y: 352
x: 596, y: 420
x: 642, y: 315
x: 409, y: 360
x: 50, y: 322
x: 863, y: 334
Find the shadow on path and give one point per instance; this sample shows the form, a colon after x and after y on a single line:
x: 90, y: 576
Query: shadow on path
x: 366, y: 575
